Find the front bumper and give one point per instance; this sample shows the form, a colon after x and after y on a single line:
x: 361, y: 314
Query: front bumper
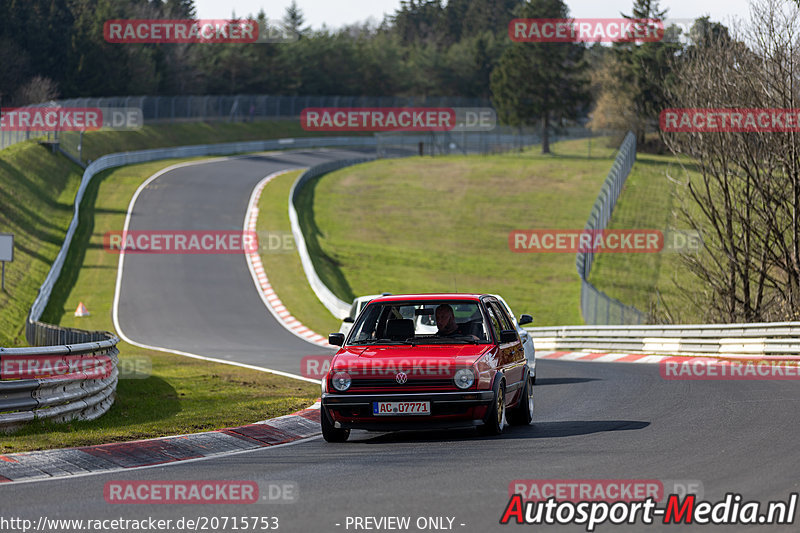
x: 448, y: 409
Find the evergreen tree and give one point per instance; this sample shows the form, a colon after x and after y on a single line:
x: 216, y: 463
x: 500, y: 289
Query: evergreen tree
x: 294, y: 19
x: 540, y: 82
x: 646, y: 69
x: 180, y: 9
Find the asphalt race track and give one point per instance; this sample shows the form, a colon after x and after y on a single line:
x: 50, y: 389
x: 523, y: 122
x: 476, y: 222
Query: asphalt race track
x: 592, y: 420
x: 207, y: 304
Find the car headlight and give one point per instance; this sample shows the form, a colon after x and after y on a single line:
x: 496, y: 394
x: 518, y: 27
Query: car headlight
x: 464, y: 378
x: 341, y: 381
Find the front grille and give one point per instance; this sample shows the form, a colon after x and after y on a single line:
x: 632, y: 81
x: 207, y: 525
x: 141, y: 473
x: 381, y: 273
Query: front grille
x: 391, y: 383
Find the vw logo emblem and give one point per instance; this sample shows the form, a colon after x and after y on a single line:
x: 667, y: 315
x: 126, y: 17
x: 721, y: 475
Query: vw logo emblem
x: 401, y: 377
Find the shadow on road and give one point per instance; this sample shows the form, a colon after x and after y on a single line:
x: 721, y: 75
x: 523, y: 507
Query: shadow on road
x: 538, y: 430
x: 571, y: 428
x: 562, y: 381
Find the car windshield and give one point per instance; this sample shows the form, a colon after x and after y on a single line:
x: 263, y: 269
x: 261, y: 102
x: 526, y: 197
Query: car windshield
x: 415, y: 322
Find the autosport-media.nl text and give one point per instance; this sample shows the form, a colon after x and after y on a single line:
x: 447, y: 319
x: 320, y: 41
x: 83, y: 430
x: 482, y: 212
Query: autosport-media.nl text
x: 731, y: 510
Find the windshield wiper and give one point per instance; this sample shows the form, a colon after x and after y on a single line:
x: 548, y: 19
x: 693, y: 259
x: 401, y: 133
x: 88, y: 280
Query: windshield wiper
x: 377, y: 341
x: 446, y: 340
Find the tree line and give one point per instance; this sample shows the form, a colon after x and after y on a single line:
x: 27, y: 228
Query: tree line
x: 54, y: 48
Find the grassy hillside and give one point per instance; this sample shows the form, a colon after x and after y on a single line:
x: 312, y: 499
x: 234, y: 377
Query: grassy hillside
x: 442, y: 224
x: 37, y: 190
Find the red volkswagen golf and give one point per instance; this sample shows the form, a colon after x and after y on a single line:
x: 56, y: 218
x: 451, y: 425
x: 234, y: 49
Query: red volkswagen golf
x: 420, y: 361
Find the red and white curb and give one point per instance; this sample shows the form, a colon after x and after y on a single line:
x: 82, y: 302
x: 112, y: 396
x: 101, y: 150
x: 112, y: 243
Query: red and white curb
x: 613, y: 357
x: 268, y: 296
x: 602, y: 357
x: 153, y: 453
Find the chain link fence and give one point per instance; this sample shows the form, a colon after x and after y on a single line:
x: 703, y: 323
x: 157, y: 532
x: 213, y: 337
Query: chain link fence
x: 10, y: 137
x: 234, y: 108
x: 596, y: 306
x: 497, y: 140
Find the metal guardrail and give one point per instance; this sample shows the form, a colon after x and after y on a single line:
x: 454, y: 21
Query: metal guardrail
x: 774, y: 338
x: 84, y: 389
x: 596, y: 306
x: 338, y: 308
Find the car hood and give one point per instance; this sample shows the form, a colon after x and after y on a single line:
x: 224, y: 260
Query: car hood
x: 461, y: 354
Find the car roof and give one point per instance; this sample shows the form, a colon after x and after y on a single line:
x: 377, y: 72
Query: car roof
x: 368, y: 297
x: 430, y: 296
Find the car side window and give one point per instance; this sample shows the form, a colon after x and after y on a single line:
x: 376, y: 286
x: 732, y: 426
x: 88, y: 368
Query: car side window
x: 495, y: 322
x: 501, y: 316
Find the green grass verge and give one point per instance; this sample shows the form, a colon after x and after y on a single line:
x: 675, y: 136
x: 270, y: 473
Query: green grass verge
x: 442, y: 224
x: 182, y: 395
x: 284, y: 269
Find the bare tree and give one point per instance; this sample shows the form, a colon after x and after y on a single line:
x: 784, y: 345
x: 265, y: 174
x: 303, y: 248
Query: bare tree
x: 37, y: 90
x: 744, y: 193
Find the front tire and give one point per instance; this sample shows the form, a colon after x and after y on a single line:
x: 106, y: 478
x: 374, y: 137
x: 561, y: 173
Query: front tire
x: 522, y: 414
x: 495, y: 419
x: 329, y: 432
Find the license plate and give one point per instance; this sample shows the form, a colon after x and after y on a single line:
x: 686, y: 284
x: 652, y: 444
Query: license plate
x: 401, y: 408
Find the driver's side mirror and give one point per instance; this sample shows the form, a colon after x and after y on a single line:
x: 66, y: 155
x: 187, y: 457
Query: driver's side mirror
x: 525, y: 319
x: 336, y: 339
x: 350, y: 319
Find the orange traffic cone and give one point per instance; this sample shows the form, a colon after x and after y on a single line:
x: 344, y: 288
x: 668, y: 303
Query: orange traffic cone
x: 81, y: 310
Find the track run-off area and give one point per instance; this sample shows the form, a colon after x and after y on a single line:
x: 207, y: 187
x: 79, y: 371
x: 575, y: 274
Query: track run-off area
x: 611, y: 421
